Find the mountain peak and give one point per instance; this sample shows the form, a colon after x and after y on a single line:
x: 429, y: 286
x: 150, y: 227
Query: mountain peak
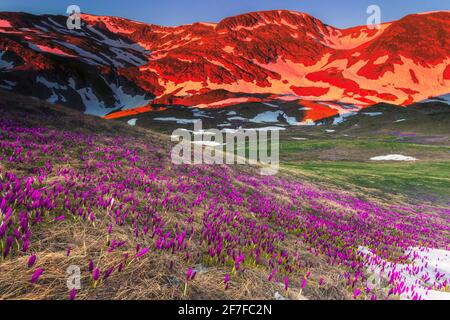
x: 259, y: 18
x: 278, y: 52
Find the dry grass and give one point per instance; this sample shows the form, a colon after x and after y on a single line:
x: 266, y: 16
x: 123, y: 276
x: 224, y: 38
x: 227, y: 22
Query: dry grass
x: 147, y: 278
x: 151, y: 276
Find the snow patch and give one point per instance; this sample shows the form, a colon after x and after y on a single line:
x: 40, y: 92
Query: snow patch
x: 273, y: 116
x: 425, y: 277
x: 372, y: 114
x: 444, y: 99
x: 209, y: 143
x: 271, y: 105
x: 237, y: 119
x: 88, y: 56
x: 393, y: 157
x: 126, y: 101
x: 177, y: 120
x: 5, y: 65
x: 132, y: 122
x: 8, y: 85
x: 267, y: 117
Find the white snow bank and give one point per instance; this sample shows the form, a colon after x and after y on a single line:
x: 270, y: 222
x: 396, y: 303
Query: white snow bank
x: 5, y: 64
x: 177, y: 120
x: 372, y: 114
x: 209, y: 143
x: 393, y: 157
x: 444, y: 99
x: 132, y: 122
x: 425, y: 277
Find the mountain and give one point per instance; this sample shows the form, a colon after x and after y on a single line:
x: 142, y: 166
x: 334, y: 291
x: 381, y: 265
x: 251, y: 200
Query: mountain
x: 116, y: 64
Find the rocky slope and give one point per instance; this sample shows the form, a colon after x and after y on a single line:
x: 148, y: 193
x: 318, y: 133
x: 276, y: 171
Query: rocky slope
x: 114, y: 63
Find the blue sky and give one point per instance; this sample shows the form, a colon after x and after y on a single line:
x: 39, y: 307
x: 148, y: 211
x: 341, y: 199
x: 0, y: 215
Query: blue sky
x: 340, y: 13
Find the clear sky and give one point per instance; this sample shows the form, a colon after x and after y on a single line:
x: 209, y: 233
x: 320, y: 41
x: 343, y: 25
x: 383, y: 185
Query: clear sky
x: 339, y: 13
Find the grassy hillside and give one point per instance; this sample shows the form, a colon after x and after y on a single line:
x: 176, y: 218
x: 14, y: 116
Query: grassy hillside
x: 104, y: 197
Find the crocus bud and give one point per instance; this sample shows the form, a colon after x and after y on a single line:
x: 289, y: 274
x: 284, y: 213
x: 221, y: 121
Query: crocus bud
x: 31, y: 260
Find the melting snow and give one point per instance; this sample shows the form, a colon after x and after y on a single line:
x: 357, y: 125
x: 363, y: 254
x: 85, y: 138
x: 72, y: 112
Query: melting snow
x: 5, y: 65
x: 271, y: 105
x: 267, y: 116
x: 8, y: 85
x: 117, y: 43
x: 372, y: 114
x: 272, y: 128
x: 237, y: 119
x: 425, y: 276
x: 127, y: 57
x: 127, y: 101
x: 50, y: 84
x: 273, y: 116
x: 53, y: 87
x: 444, y: 98
x: 177, y: 120
x: 132, y: 122
x: 209, y: 143
x: 342, y: 117
x: 393, y: 157
x: 200, y: 113
x: 89, y: 57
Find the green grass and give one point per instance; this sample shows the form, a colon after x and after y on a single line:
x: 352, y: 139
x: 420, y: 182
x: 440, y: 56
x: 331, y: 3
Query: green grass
x: 385, y: 144
x: 420, y: 181
x: 344, y: 162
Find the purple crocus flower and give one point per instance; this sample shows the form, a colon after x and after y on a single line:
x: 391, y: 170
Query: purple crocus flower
x: 356, y: 293
x: 286, y: 283
x: 31, y: 260
x: 91, y: 265
x: 73, y: 294
x: 8, y: 245
x: 108, y: 273
x: 36, y: 275
x: 142, y: 252
x: 321, y: 281
x: 226, y: 281
x: 190, y: 274
x: 96, y: 274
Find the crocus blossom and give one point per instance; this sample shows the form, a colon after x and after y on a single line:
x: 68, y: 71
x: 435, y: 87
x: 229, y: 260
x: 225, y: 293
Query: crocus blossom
x: 36, y: 275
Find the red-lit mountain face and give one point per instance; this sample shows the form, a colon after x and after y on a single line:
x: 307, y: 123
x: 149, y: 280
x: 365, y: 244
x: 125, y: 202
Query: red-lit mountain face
x: 114, y: 63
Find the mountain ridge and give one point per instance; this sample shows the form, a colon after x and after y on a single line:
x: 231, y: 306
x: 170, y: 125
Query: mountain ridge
x: 118, y: 64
